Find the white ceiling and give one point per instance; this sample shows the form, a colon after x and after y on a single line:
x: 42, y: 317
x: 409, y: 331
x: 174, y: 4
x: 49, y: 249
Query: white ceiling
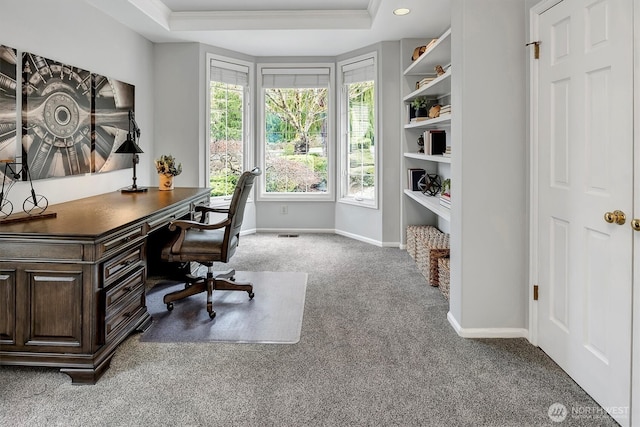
x: 280, y: 27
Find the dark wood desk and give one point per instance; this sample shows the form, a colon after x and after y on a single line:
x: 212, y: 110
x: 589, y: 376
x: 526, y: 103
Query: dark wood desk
x: 72, y: 288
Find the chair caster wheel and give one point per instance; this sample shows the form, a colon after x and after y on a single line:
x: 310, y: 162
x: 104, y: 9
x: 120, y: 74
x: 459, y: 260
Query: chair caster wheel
x: 212, y: 315
x: 169, y: 306
x: 251, y: 295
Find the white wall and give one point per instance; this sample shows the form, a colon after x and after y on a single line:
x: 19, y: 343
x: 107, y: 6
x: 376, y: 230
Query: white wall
x: 489, y: 226
x: 75, y: 33
x: 179, y: 109
x: 380, y: 226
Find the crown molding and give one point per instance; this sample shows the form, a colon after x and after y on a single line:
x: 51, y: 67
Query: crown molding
x: 156, y: 10
x: 270, y: 20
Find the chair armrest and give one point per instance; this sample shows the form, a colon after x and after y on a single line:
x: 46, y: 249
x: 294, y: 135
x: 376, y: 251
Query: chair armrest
x: 185, y: 225
x: 206, y: 210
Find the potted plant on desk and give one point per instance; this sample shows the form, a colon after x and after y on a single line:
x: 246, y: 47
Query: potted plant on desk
x: 167, y: 169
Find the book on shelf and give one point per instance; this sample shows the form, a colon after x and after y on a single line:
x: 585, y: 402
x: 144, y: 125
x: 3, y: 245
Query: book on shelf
x: 418, y: 119
x: 425, y: 81
x: 435, y: 142
x: 447, y: 151
x: 445, y: 200
x: 415, y: 174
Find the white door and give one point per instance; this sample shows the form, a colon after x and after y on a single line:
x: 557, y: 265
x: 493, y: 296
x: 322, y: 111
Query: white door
x: 585, y: 169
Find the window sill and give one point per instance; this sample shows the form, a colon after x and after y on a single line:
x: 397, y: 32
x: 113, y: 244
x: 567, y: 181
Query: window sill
x: 369, y: 204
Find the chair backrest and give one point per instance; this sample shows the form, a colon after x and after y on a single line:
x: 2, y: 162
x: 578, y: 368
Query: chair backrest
x: 239, y: 201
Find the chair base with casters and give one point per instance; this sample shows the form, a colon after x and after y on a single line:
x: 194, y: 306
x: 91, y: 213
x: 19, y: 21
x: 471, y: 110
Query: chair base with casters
x: 221, y: 282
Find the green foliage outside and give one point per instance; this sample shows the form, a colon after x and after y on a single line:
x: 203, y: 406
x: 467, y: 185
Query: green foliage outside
x: 361, y: 139
x: 295, y: 140
x: 295, y: 134
x: 226, y: 134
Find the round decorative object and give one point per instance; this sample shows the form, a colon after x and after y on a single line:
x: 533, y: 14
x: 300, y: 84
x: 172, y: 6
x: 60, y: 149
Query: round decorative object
x: 166, y: 182
x: 430, y: 184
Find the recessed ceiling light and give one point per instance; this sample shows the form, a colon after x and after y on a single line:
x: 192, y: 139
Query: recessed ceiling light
x: 401, y: 11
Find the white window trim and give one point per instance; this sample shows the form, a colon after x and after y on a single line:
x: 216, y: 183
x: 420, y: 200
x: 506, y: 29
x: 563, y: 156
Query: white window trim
x: 343, y: 158
x: 248, y: 149
x: 329, y: 195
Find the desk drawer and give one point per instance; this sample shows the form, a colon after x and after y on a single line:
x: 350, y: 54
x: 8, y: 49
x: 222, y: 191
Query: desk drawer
x: 133, y: 283
x: 119, y: 265
x: 162, y: 220
x: 122, y: 314
x: 118, y: 241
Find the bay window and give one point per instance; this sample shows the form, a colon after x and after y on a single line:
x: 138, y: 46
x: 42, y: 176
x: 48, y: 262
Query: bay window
x: 228, y: 123
x: 358, y: 131
x: 295, y: 144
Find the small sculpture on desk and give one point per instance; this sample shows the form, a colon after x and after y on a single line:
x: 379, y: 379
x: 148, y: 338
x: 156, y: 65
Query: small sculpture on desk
x: 421, y: 144
x: 33, y: 206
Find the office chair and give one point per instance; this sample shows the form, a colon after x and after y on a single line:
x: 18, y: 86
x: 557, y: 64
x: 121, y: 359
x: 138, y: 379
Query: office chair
x: 208, y: 243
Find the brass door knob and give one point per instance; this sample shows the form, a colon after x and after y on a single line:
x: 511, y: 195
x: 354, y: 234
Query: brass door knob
x: 635, y: 224
x: 616, y: 216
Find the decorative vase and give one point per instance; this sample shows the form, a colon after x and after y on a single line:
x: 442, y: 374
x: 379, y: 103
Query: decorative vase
x: 166, y: 182
x: 422, y: 112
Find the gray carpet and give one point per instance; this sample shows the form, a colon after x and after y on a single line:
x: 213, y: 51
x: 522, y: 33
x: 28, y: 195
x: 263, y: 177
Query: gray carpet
x: 273, y: 316
x: 375, y: 350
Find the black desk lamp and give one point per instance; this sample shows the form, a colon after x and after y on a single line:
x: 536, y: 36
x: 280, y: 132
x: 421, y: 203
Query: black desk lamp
x: 130, y: 147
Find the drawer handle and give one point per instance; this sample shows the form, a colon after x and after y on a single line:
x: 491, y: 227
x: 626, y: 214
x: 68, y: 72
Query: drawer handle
x: 127, y: 289
x: 127, y: 314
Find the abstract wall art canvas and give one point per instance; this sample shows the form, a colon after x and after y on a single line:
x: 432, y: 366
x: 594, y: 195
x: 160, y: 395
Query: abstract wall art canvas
x: 8, y: 106
x: 72, y: 120
x: 111, y: 101
x: 56, y: 117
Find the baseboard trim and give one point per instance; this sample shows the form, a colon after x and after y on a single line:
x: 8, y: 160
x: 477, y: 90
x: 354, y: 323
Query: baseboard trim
x: 486, y: 332
x: 296, y: 230
x: 359, y: 238
x: 327, y: 231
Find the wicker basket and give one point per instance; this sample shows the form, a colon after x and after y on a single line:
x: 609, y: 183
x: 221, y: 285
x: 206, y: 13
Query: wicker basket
x: 417, y: 232
x: 444, y: 276
x: 429, y: 250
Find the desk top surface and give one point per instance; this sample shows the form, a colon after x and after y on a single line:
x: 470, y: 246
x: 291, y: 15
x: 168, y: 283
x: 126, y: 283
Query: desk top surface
x: 97, y: 215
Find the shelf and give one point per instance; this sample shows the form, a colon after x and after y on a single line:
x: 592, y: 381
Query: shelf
x: 439, y: 87
x: 430, y: 202
x: 444, y: 119
x: 419, y: 156
x: 438, y: 54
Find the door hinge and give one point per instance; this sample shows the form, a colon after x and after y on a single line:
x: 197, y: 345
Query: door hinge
x: 536, y: 49
x: 535, y: 292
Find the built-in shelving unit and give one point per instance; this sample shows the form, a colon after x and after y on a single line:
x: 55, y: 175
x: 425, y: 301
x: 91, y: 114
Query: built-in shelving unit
x: 416, y: 204
x: 420, y: 156
x: 441, y: 85
x: 444, y: 120
x: 430, y: 202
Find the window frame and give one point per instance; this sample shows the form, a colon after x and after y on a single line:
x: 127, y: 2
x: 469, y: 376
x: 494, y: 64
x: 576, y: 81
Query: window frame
x: 329, y: 195
x: 248, y: 152
x: 343, y: 142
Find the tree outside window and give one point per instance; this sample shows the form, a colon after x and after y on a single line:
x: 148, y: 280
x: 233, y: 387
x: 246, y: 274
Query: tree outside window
x: 361, y: 164
x: 226, y: 137
x: 296, y: 140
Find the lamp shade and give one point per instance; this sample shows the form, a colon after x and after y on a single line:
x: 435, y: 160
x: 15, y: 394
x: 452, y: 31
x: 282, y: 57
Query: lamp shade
x: 129, y: 147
